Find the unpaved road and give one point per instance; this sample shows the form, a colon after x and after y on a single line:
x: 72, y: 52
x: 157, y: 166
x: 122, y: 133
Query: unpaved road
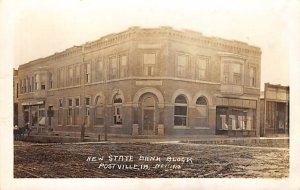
x: 145, y: 160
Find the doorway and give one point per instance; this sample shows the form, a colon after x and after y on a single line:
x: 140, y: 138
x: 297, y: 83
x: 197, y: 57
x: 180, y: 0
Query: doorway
x: 148, y: 115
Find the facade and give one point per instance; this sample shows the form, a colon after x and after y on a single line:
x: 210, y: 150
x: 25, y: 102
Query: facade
x: 145, y: 81
x: 274, y: 110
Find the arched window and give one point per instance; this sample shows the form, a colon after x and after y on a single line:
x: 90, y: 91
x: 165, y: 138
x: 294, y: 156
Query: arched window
x: 117, y: 110
x: 180, y: 111
x: 202, y: 107
x: 99, y: 113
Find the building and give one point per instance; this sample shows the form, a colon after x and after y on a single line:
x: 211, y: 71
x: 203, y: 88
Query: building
x: 145, y: 81
x: 274, y: 111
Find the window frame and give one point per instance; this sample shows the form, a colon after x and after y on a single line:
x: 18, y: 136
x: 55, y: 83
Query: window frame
x: 184, y: 73
x: 176, y: 104
x: 151, y: 66
x: 117, y: 110
x: 199, y: 67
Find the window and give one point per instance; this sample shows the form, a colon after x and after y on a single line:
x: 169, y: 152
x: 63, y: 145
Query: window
x: 42, y: 80
x: 180, y: 111
x: 17, y: 90
x: 123, y: 66
x: 70, y: 75
x: 29, y: 84
x: 32, y: 83
x: 60, y: 103
x: 77, y: 102
x: 117, y: 110
x: 113, y: 68
x: 60, y: 78
x: 88, y: 73
x: 70, y: 112
x: 236, y: 68
x: 182, y: 63
x: 25, y: 86
x: 202, y: 68
x: 77, y: 75
x: 252, y: 77
x: 202, y: 108
x: 99, y: 70
x: 99, y: 116
x: 87, y: 101
x: 149, y: 61
x: 70, y: 102
x: 232, y: 73
x: 50, y: 80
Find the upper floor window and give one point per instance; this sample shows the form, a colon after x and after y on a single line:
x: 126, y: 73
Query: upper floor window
x: 99, y: 70
x: 113, y: 68
x: 182, y: 65
x: 70, y: 102
x: 180, y: 111
x: 50, y: 80
x: 60, y: 103
x: 123, y: 66
x: 43, y: 80
x: 77, y: 74
x: 60, y: 77
x: 87, y: 101
x: 88, y: 73
x: 252, y: 78
x: 77, y: 102
x: 149, y: 61
x: 32, y: 83
x: 70, y: 75
x: 232, y: 73
x: 201, y: 68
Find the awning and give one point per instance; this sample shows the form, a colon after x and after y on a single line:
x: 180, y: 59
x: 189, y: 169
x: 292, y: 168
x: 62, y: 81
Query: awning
x: 32, y: 103
x: 42, y: 121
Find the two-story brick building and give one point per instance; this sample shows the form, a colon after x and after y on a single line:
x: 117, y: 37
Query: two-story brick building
x: 145, y: 81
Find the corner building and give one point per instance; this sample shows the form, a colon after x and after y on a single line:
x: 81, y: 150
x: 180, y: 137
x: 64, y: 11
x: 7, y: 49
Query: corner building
x: 145, y: 81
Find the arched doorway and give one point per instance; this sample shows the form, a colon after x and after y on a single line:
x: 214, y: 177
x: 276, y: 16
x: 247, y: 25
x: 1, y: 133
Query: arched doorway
x: 149, y: 118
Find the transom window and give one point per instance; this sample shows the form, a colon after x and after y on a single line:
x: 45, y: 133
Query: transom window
x: 180, y: 111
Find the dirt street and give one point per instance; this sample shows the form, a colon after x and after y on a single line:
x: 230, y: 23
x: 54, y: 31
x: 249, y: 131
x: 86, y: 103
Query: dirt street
x: 145, y: 160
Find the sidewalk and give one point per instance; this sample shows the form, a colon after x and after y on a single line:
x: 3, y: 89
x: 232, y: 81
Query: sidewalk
x: 56, y: 137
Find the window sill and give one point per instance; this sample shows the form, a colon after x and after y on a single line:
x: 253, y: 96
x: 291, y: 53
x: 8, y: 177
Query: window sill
x: 99, y: 126
x: 201, y: 128
x: 116, y: 126
x: 181, y: 127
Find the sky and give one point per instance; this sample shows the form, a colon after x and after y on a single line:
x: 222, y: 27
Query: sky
x: 45, y: 27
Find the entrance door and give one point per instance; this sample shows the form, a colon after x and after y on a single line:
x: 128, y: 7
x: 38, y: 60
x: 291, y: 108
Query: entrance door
x: 148, y: 122
x: 148, y: 115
